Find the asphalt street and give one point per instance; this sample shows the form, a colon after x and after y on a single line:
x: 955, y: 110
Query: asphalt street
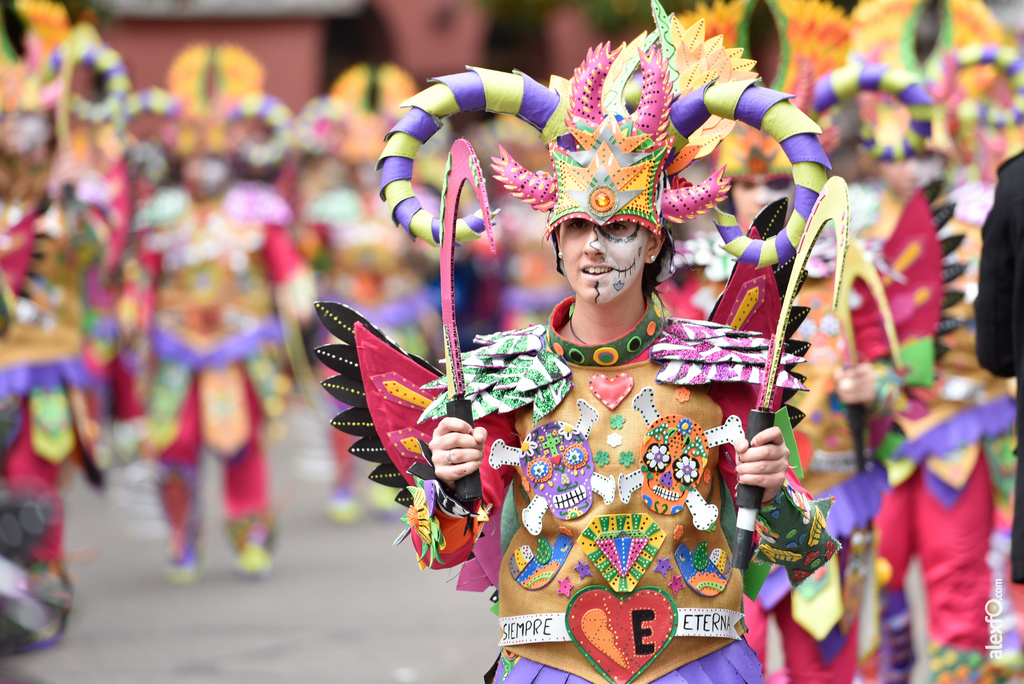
x: 343, y: 606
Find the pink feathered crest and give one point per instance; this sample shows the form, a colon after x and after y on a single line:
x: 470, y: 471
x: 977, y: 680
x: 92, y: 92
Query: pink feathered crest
x: 681, y: 201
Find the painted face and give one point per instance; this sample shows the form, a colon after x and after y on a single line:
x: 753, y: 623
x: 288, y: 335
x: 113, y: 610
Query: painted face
x: 674, y: 458
x: 749, y: 197
x: 604, y: 262
x: 558, y: 464
x: 899, y: 177
x: 208, y: 175
x: 23, y: 133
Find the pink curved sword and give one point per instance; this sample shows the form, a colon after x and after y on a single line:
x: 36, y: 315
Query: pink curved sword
x: 463, y: 166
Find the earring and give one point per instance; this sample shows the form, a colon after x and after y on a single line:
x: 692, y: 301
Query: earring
x: 653, y: 257
x: 559, y: 255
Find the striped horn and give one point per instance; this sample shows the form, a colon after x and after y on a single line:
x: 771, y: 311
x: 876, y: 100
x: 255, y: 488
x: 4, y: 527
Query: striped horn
x: 770, y: 111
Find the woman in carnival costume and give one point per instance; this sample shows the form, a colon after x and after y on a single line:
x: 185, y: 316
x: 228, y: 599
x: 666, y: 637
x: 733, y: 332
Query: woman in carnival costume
x: 941, y: 505
x: 55, y: 232
x: 617, y: 457
x: 218, y: 257
x: 344, y: 231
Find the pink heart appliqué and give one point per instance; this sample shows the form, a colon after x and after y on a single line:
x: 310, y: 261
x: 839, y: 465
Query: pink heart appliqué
x: 611, y: 391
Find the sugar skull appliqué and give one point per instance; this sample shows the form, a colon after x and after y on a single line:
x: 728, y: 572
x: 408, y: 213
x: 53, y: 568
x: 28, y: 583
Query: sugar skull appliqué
x: 674, y: 458
x: 558, y: 465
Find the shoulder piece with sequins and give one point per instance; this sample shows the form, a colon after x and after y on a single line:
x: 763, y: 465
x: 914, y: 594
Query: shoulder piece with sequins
x: 511, y: 370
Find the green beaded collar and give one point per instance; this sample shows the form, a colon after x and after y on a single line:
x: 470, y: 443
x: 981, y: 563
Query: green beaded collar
x: 623, y: 350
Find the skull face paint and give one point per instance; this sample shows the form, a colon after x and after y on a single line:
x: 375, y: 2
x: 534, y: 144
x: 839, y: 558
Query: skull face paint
x: 603, y: 262
x: 24, y: 132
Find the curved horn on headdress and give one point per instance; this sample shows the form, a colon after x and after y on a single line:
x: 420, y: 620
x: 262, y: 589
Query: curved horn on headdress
x: 651, y: 115
x: 153, y: 100
x: 1010, y: 63
x: 772, y: 112
x: 500, y: 92
x: 536, y: 189
x: 843, y: 84
x: 683, y: 204
x: 277, y: 116
x: 108, y: 64
x: 587, y: 85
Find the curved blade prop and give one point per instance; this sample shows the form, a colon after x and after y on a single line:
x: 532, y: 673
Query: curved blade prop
x: 463, y: 166
x: 833, y: 206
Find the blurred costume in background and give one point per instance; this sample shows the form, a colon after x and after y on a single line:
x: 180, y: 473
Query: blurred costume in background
x: 345, y: 232
x: 837, y: 442
x: 530, y: 288
x: 608, y: 473
x: 813, y: 37
x: 57, y: 219
x: 99, y: 144
x: 218, y: 258
x: 819, y: 621
x: 953, y: 438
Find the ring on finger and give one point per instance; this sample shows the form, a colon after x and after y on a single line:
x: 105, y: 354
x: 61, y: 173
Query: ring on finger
x: 448, y: 456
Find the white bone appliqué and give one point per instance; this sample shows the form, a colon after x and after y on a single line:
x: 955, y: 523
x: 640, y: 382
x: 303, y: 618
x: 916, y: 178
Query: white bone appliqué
x: 605, y: 486
x: 533, y: 515
x: 730, y: 432
x: 504, y: 455
x: 588, y: 418
x: 704, y: 514
x: 629, y: 483
x: 643, y: 403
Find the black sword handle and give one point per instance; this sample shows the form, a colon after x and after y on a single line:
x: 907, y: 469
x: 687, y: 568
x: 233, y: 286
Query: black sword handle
x: 468, y: 487
x: 856, y: 414
x: 748, y: 498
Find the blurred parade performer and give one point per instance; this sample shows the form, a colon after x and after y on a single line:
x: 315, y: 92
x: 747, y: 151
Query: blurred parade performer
x: 623, y: 555
x: 530, y: 289
x: 813, y: 40
x: 57, y: 221
x: 849, y: 361
x: 98, y: 143
x: 218, y: 256
x: 344, y: 230
x: 951, y: 447
x: 856, y: 378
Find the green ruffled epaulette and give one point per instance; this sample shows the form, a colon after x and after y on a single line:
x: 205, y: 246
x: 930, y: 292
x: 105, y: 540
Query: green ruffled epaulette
x: 511, y: 370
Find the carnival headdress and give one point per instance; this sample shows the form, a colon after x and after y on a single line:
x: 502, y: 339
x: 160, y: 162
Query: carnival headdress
x: 108, y: 65
x: 892, y: 129
x: 25, y: 84
x: 215, y: 84
x: 886, y: 31
x: 813, y: 40
x: 694, y: 91
x: 357, y: 112
x: 983, y: 114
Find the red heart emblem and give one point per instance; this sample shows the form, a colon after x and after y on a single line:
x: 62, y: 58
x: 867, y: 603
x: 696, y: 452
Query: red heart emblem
x: 621, y: 636
x: 611, y: 392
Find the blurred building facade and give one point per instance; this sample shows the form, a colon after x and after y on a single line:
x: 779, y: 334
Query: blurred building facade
x: 304, y: 44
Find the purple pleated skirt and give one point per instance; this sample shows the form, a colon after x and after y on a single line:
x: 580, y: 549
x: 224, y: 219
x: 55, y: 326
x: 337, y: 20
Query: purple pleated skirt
x: 735, y: 664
